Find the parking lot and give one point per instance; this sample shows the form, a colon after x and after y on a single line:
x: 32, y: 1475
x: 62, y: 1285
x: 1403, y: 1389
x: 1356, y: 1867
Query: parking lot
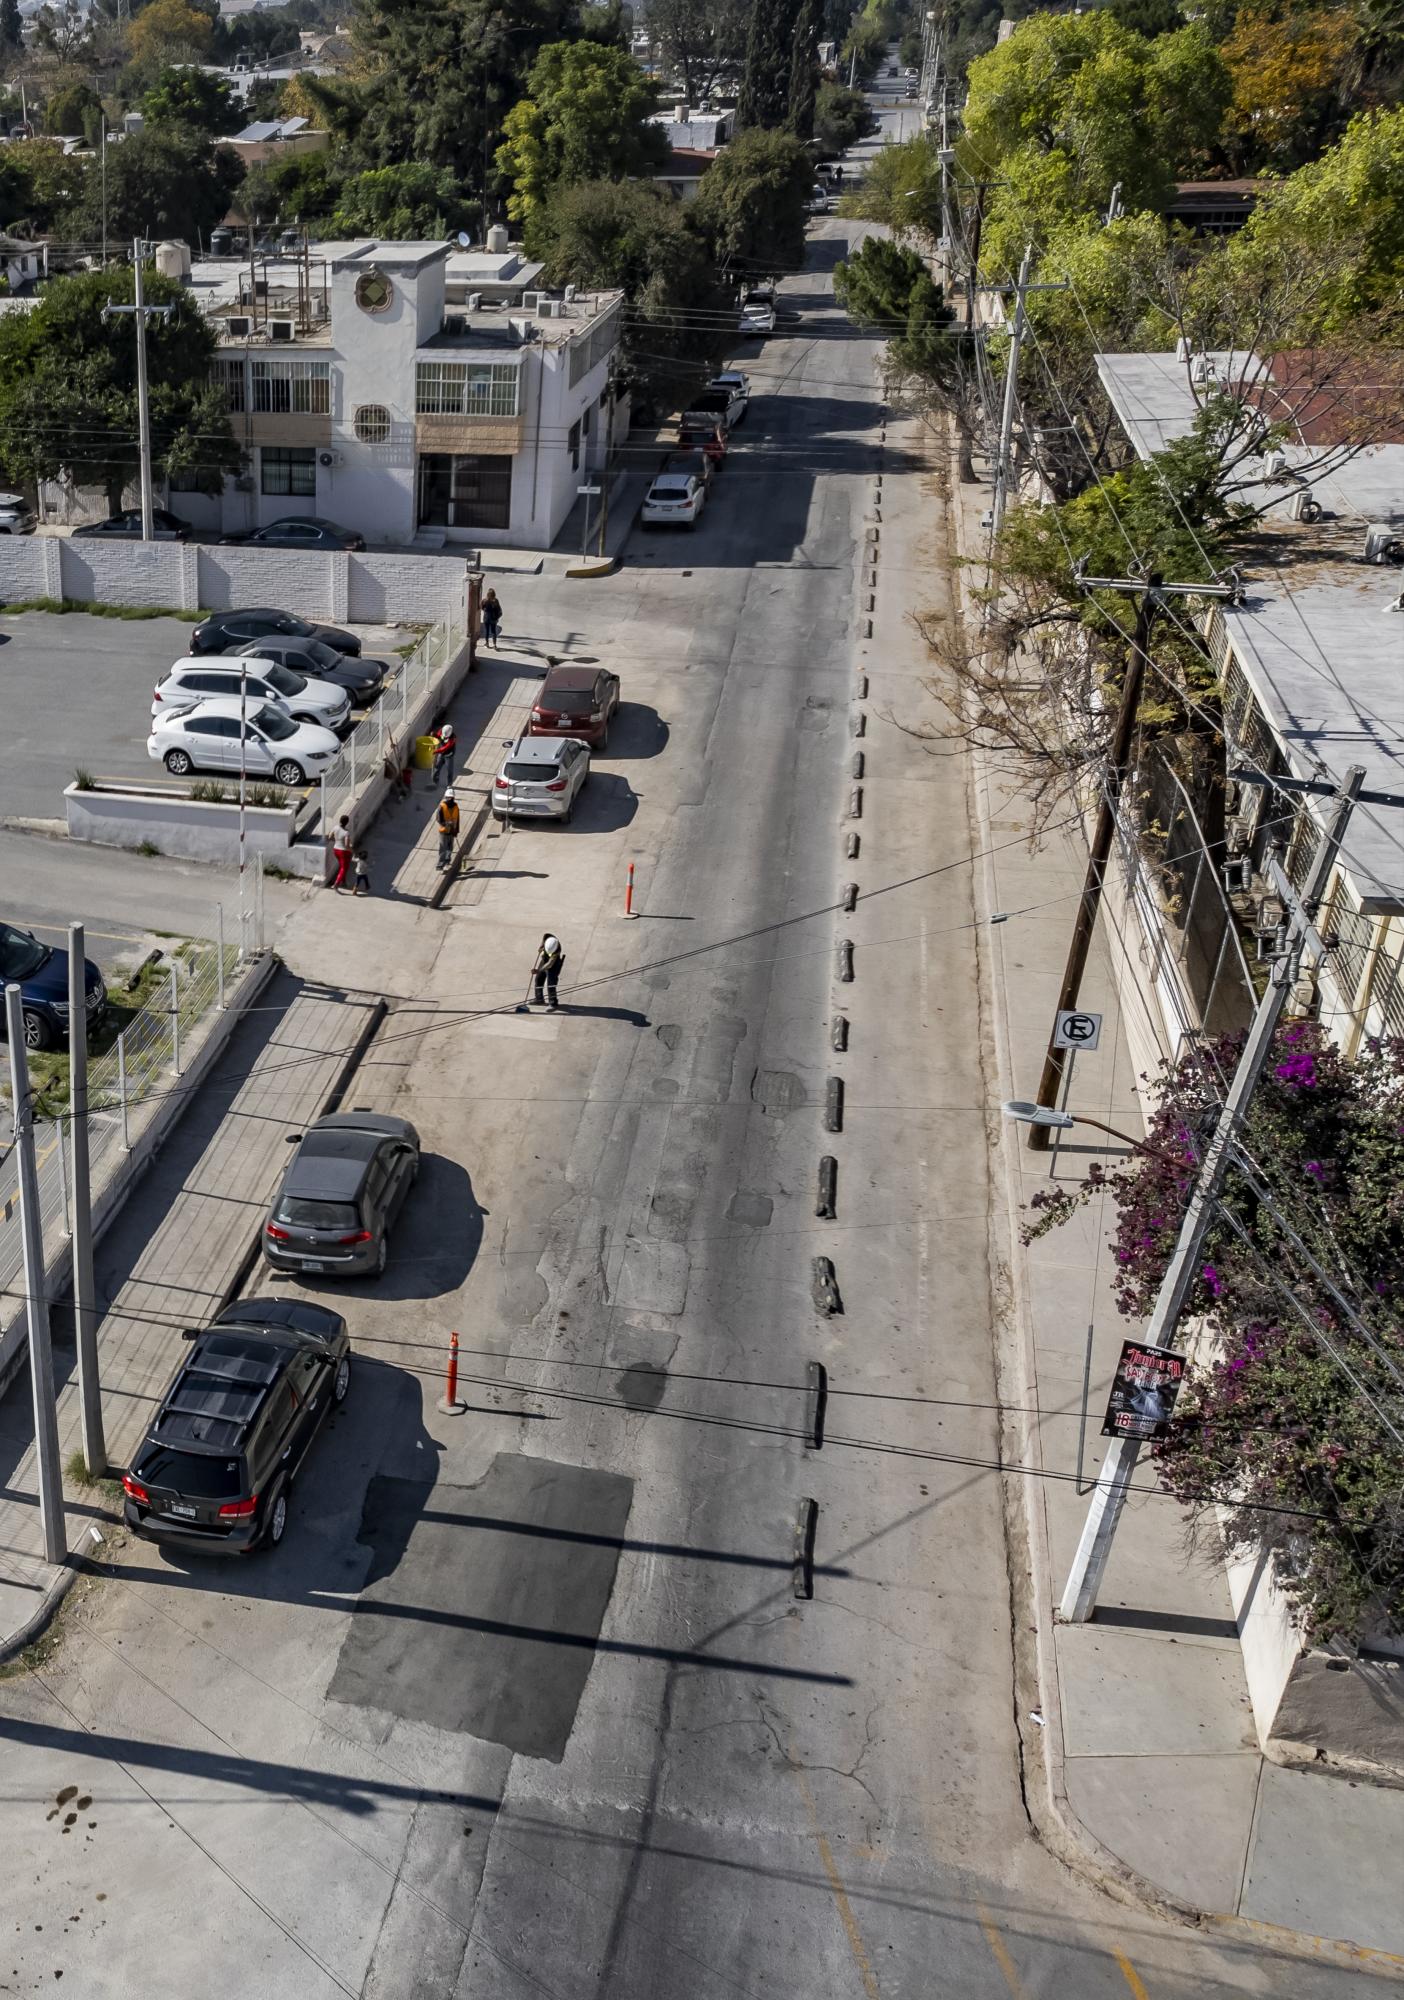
x: 77, y: 694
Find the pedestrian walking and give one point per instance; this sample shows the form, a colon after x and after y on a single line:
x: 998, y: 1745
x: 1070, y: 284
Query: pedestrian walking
x: 447, y: 817
x: 360, y: 868
x: 341, y: 850
x: 546, y: 972
x: 492, y: 618
x: 445, y: 750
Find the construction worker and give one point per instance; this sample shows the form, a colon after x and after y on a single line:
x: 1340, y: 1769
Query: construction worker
x: 445, y: 748
x: 546, y: 972
x: 447, y: 817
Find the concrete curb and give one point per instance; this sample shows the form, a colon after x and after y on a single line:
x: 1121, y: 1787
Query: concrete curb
x: 605, y: 568
x: 448, y: 876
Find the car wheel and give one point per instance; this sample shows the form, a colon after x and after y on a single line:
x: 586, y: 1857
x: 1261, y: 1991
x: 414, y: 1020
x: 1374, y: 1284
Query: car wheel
x: 178, y: 763
x: 276, y: 1523
x: 37, y: 1032
x: 341, y: 1381
x: 288, y: 772
x: 381, y: 1256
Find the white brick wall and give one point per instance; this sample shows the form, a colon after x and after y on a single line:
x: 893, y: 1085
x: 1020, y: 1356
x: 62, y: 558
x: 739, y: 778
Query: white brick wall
x: 21, y: 567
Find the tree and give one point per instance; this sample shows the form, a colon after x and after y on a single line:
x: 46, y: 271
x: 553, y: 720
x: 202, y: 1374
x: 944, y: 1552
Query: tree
x: 804, y: 70
x: 633, y: 235
x: 841, y: 117
x: 765, y: 83
x: 1277, y: 1442
x: 585, y: 118
x: 193, y: 99
x: 902, y: 188
x: 1148, y: 17
x: 162, y: 183
x: 751, y: 205
x: 403, y: 201
x: 11, y: 25
x: 67, y: 110
x: 50, y: 189
x: 167, y: 31
x: 68, y: 388
x: 864, y: 47
x: 63, y: 33
x: 304, y: 188
x: 703, y: 41
x: 887, y: 288
x: 1288, y: 65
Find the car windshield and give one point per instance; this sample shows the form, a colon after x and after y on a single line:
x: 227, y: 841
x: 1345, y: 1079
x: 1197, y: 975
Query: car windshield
x: 20, y: 954
x: 321, y: 654
x: 305, y: 1214
x: 299, y: 627
x: 570, y: 701
x: 522, y: 773
x: 283, y: 680
x: 274, y: 723
x: 192, y: 1473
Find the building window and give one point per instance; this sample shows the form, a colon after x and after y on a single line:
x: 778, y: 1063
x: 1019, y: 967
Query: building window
x: 466, y: 388
x: 289, y: 469
x: 230, y: 376
x: 573, y: 445
x: 465, y: 490
x: 373, y: 423
x: 187, y: 481
x: 292, y: 388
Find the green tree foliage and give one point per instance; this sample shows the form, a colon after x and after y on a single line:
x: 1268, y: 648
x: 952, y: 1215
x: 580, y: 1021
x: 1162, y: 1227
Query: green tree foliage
x: 703, y: 41
x: 169, y: 31
x: 68, y: 388
x: 304, y: 188
x: 751, y: 206
x: 765, y: 84
x: 161, y: 183
x: 804, y: 70
x: 902, y: 188
x: 11, y: 24
x: 1148, y: 17
x: 69, y: 108
x: 1340, y: 218
x: 889, y: 290
x: 635, y: 236
x: 864, y: 47
x: 194, y: 99
x: 841, y: 117
x: 48, y: 187
x: 404, y: 201
x: 585, y: 117
x: 1070, y: 106
x: 1289, y: 65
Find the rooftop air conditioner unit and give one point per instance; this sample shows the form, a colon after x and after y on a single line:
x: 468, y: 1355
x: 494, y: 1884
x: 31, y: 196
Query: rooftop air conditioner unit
x: 328, y: 459
x: 1201, y: 369
x: 239, y: 326
x: 456, y: 324
x: 570, y: 295
x: 530, y: 301
x: 1380, y: 542
x: 548, y: 308
x: 1274, y: 465
x: 281, y: 329
x: 475, y: 302
x: 1305, y: 506
x: 1183, y: 349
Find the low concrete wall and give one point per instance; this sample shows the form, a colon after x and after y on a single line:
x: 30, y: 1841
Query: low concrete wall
x: 154, y: 1127
x: 381, y: 587
x: 193, y: 829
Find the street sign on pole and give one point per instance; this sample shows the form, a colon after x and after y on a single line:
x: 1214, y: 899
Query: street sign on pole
x: 1077, y: 1030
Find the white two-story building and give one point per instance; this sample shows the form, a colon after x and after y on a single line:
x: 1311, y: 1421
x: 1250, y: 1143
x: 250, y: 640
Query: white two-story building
x: 414, y: 392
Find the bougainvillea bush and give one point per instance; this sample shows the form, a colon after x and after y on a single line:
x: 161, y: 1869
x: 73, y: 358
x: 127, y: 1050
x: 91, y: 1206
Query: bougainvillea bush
x: 1285, y: 1428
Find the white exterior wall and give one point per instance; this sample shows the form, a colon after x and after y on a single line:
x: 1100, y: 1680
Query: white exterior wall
x: 543, y: 480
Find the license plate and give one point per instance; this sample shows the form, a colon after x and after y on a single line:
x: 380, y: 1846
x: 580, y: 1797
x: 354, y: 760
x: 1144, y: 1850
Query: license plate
x: 312, y: 1264
x: 182, y: 1513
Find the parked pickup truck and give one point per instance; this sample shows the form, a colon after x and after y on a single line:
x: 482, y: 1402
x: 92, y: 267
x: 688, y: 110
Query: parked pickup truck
x: 709, y: 410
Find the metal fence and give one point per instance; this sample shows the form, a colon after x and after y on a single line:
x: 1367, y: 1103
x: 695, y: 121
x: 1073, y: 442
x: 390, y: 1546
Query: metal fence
x: 365, y: 750
x: 149, y: 1057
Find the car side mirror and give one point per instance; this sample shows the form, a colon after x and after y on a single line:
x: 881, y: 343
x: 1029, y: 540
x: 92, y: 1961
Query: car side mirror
x: 189, y: 1333
x: 291, y: 1138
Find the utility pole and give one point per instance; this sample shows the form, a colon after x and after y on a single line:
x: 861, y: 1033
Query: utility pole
x: 41, y: 1353
x: 1151, y: 592
x: 1089, y: 1564
x: 85, y: 1316
x: 142, y: 311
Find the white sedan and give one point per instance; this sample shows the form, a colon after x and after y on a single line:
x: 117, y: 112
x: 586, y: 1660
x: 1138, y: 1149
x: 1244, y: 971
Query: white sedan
x: 270, y: 744
x: 757, y: 317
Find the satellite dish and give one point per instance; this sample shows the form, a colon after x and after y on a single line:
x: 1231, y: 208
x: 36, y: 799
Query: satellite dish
x: 465, y: 241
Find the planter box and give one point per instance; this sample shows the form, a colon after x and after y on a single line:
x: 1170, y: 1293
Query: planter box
x: 192, y: 829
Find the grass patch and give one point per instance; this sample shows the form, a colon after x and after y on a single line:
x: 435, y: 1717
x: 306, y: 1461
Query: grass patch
x: 83, y: 779
x: 209, y: 791
x: 267, y: 795
x: 278, y: 874
x: 146, y: 847
x: 48, y: 1068
x: 60, y: 607
x: 75, y: 1471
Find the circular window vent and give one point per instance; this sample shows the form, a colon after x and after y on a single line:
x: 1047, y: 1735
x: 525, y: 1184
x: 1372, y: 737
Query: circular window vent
x: 373, y: 423
x: 373, y: 291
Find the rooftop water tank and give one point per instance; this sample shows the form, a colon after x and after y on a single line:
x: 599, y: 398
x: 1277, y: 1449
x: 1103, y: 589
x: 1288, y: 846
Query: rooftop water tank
x: 173, y: 260
x: 497, y: 239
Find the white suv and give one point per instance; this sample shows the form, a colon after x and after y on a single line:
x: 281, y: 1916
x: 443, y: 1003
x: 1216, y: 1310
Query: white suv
x: 207, y: 738
x: 674, y: 499
x: 192, y: 681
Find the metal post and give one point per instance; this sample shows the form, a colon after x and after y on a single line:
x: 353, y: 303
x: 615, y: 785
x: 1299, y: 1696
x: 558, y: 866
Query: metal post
x: 175, y: 1020
x: 148, y: 526
x: 585, y: 538
x: 1089, y: 1564
x: 85, y: 1313
x: 1003, y: 466
x: 122, y: 1088
x: 41, y: 1355
x: 62, y: 1150
x: 351, y: 746
x: 243, y: 791
x: 219, y: 954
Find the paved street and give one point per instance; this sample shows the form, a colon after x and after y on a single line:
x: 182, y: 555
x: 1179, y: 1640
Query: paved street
x: 526, y: 1704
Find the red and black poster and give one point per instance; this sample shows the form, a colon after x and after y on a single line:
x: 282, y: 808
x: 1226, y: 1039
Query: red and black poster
x: 1143, y: 1391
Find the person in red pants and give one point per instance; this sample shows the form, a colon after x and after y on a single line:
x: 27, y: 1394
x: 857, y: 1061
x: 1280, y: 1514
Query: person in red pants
x: 341, y: 850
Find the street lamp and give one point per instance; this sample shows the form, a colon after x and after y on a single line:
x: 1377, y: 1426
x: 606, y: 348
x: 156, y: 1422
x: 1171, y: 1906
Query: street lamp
x: 1022, y: 1111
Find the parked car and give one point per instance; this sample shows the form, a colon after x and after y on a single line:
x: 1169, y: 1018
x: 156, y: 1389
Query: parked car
x: 15, y: 515
x: 757, y: 314
x: 707, y: 410
x: 675, y: 499
x: 223, y: 629
x: 343, y: 1188
x: 190, y: 682
x: 207, y: 738
x: 738, y: 388
x: 41, y: 973
x: 576, y: 701
x: 820, y: 201
x: 216, y: 1468
x: 165, y: 527
x: 540, y: 778
x: 300, y: 531
x: 362, y: 679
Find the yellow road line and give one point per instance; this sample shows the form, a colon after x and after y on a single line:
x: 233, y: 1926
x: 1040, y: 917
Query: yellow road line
x: 1131, y: 1976
x: 845, y: 1908
x: 1000, y: 1952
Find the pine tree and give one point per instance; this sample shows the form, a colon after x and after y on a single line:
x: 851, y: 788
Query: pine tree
x: 765, y: 87
x: 10, y: 29
x: 804, y: 69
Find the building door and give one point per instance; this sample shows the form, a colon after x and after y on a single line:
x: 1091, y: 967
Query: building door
x: 465, y: 490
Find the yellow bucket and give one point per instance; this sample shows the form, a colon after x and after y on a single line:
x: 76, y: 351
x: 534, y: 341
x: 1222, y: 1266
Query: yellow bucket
x: 423, y: 753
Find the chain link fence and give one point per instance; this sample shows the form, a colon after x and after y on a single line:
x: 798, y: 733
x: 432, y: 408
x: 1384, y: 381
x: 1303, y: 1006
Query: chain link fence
x: 148, y: 1057
x: 381, y: 735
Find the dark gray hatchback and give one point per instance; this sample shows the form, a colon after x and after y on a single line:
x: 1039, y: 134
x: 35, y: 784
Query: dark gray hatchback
x: 345, y: 1185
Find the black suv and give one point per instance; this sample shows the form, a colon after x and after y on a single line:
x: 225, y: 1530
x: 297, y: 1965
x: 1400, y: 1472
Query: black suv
x: 214, y: 1470
x: 235, y: 628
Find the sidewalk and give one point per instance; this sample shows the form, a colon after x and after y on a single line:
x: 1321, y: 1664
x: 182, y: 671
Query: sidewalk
x: 169, y: 1260
x: 1146, y: 1729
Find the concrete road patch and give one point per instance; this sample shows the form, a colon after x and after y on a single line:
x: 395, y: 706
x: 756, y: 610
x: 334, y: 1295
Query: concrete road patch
x: 483, y: 1603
